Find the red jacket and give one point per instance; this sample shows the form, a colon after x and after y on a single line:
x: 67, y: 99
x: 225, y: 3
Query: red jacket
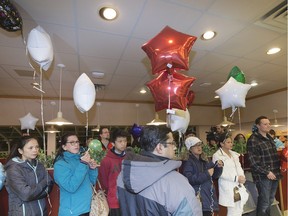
x: 108, y: 172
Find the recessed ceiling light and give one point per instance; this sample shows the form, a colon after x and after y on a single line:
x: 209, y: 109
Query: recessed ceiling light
x: 143, y: 91
x: 205, y: 84
x: 254, y: 83
x: 208, y: 35
x: 97, y: 74
x: 273, y: 50
x: 108, y: 13
x: 217, y: 96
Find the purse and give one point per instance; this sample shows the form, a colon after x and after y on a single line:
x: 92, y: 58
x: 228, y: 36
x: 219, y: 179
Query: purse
x: 237, y: 195
x: 99, y: 204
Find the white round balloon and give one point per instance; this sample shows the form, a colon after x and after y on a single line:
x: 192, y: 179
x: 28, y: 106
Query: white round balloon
x: 40, y: 47
x: 180, y: 120
x: 84, y: 93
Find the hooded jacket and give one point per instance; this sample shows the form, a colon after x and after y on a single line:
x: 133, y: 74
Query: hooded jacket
x: 108, y: 173
x: 196, y: 170
x: 75, y: 180
x: 27, y: 184
x: 149, y: 185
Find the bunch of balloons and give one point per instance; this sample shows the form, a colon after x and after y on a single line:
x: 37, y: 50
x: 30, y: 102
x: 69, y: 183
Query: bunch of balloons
x: 169, y: 52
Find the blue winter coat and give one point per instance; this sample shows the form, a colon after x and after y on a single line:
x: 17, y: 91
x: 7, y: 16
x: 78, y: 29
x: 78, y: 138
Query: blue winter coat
x: 75, y: 180
x: 196, y: 170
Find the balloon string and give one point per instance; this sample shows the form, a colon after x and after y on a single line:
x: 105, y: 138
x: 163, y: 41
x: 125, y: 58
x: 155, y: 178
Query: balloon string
x: 42, y: 111
x: 239, y: 118
x: 87, y: 126
x: 169, y: 88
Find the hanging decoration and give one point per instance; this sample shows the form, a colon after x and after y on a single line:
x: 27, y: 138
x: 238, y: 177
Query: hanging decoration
x: 10, y: 18
x: 169, y: 47
x: 28, y: 122
x: 179, y: 121
x: 237, y: 74
x: 84, y: 93
x: 170, y: 90
x: 40, y: 47
x: 233, y: 94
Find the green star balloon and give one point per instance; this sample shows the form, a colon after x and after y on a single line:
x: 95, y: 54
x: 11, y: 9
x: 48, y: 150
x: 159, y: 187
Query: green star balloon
x: 237, y: 74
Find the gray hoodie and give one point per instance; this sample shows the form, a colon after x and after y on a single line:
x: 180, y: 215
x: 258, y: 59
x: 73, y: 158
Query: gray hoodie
x: 150, y: 185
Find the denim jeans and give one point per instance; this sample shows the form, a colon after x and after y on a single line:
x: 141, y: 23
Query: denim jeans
x: 266, y: 194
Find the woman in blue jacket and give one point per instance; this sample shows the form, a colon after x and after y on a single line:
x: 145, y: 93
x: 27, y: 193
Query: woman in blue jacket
x: 200, y: 174
x: 75, y: 175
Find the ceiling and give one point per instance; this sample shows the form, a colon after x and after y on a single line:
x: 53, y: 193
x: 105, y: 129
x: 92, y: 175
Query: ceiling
x: 83, y: 42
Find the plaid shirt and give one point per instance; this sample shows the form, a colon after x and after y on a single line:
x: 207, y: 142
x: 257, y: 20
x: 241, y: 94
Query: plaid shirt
x: 263, y: 156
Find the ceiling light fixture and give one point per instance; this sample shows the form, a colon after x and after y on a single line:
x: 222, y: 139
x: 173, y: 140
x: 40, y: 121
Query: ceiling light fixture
x: 143, y: 91
x: 225, y: 122
x: 108, y: 13
x: 275, y: 119
x: 97, y: 74
x: 59, y: 120
x: 254, y: 83
x: 273, y: 50
x: 51, y: 129
x: 157, y: 121
x: 208, y: 35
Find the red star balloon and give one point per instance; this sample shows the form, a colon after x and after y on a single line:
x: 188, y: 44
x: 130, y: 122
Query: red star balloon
x: 190, y: 98
x: 170, y: 90
x: 169, y: 47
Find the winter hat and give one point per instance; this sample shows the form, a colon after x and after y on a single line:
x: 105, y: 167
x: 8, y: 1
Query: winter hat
x: 191, y: 141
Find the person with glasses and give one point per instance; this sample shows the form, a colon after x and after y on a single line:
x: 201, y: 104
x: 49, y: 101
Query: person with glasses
x: 149, y: 184
x: 200, y: 174
x: 75, y: 174
x: 104, y: 138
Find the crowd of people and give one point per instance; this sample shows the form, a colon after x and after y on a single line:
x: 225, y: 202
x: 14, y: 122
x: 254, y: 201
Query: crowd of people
x: 147, y: 183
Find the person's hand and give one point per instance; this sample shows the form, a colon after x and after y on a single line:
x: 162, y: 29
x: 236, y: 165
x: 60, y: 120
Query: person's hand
x: 86, y: 158
x: 271, y: 176
x: 93, y: 164
x: 241, y: 179
x: 220, y: 163
x: 211, y: 171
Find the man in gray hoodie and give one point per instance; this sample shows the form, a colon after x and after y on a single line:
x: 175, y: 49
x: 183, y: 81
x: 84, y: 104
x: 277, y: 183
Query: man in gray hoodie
x: 149, y: 183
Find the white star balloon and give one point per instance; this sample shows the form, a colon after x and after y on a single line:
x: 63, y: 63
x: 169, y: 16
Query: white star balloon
x: 180, y: 120
x: 28, y: 122
x: 233, y: 94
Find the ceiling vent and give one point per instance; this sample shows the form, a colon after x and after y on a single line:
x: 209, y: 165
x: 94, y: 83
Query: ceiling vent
x: 275, y: 19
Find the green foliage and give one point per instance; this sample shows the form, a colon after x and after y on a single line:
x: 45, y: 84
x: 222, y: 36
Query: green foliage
x: 209, y: 150
x: 47, y: 160
x: 240, y: 147
x: 136, y: 149
x: 3, y: 154
x: 97, y: 155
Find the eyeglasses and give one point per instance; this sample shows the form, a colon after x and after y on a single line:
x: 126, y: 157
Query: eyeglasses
x: 171, y: 143
x: 73, y: 143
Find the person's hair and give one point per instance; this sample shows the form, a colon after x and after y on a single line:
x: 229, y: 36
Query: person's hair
x: 222, y: 138
x: 272, y: 132
x: 101, y: 129
x: 61, y: 142
x: 258, y: 120
x: 237, y: 137
x: 190, y: 131
x: 116, y: 133
x: 152, y: 136
x: 19, y: 144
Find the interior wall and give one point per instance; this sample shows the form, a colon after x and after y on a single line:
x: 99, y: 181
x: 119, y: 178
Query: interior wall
x: 128, y: 113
